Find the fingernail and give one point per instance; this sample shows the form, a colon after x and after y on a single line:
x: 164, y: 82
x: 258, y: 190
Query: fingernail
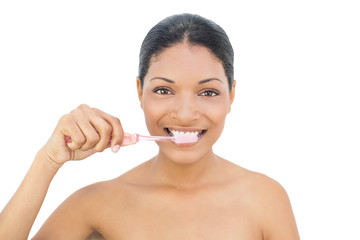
x: 115, y: 148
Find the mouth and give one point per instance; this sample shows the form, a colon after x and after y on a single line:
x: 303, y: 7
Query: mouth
x: 174, y: 132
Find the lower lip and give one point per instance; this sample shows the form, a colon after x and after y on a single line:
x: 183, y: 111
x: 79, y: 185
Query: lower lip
x: 185, y: 144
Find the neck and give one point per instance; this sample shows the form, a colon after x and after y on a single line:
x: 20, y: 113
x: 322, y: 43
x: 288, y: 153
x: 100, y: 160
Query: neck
x: 184, y: 176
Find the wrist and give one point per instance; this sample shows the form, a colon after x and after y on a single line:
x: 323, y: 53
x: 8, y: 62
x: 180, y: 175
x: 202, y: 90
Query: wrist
x: 44, y: 158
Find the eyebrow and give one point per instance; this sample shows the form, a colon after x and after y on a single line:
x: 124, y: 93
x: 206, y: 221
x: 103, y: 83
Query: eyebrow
x: 200, y: 82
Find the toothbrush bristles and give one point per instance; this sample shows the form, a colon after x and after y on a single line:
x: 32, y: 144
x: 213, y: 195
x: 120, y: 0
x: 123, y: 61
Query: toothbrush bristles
x: 185, y: 138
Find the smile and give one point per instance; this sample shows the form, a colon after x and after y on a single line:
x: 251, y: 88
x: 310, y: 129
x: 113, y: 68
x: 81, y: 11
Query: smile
x: 174, y: 132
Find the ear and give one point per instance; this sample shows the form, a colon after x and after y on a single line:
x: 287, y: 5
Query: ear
x: 232, y: 95
x: 139, y: 91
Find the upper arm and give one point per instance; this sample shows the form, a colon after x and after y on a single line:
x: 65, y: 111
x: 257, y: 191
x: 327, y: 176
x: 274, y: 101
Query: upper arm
x: 70, y: 220
x: 276, y: 213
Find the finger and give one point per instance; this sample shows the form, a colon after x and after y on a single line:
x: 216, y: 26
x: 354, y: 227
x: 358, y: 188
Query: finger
x: 117, y: 133
x: 82, y: 116
x: 104, y: 130
x: 70, y: 129
x: 91, y: 135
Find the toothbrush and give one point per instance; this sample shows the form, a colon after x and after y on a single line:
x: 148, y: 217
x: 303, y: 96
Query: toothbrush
x: 130, y: 139
x: 178, y: 139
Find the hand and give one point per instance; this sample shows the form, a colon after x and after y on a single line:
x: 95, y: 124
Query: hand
x: 90, y: 131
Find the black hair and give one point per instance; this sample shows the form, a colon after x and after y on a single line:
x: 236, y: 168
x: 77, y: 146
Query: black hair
x: 192, y: 29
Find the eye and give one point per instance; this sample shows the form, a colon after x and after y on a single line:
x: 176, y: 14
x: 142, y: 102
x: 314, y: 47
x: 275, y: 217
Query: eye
x: 162, y: 91
x: 209, y: 93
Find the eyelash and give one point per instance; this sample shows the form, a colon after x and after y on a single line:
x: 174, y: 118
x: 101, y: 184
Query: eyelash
x: 160, y: 89
x: 212, y: 92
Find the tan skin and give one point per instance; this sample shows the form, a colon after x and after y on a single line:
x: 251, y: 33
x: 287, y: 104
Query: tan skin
x: 184, y: 192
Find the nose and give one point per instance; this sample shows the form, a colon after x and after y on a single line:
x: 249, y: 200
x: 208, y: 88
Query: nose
x: 185, y: 110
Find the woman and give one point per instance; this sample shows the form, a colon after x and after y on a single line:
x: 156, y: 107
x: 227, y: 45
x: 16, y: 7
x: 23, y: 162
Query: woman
x: 185, y: 86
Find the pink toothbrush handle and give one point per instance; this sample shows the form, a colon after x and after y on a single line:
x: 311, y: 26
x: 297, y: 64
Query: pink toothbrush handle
x: 129, y: 139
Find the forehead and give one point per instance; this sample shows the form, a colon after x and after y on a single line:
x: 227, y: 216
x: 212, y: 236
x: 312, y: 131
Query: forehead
x: 184, y: 61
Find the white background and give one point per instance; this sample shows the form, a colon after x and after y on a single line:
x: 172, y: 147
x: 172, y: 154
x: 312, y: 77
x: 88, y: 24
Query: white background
x: 295, y: 117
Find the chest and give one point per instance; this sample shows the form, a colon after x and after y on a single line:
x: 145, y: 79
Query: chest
x: 182, y: 216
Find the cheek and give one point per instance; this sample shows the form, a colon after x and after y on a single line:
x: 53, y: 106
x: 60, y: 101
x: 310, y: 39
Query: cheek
x: 216, y: 114
x: 153, y: 112
x: 218, y: 121
x: 215, y: 110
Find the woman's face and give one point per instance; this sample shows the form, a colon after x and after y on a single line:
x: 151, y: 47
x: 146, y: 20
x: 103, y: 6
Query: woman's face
x: 186, y: 90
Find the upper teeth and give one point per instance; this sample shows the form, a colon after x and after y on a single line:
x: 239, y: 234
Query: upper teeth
x: 175, y: 133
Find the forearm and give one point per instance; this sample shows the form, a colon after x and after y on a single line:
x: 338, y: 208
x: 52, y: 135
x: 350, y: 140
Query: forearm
x: 19, y: 214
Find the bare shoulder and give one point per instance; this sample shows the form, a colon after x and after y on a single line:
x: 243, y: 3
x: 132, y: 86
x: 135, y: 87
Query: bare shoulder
x: 251, y: 180
x: 270, y: 202
x: 267, y: 200
x: 71, y: 219
x: 89, y: 209
x: 254, y: 184
x: 263, y: 187
x: 80, y: 215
